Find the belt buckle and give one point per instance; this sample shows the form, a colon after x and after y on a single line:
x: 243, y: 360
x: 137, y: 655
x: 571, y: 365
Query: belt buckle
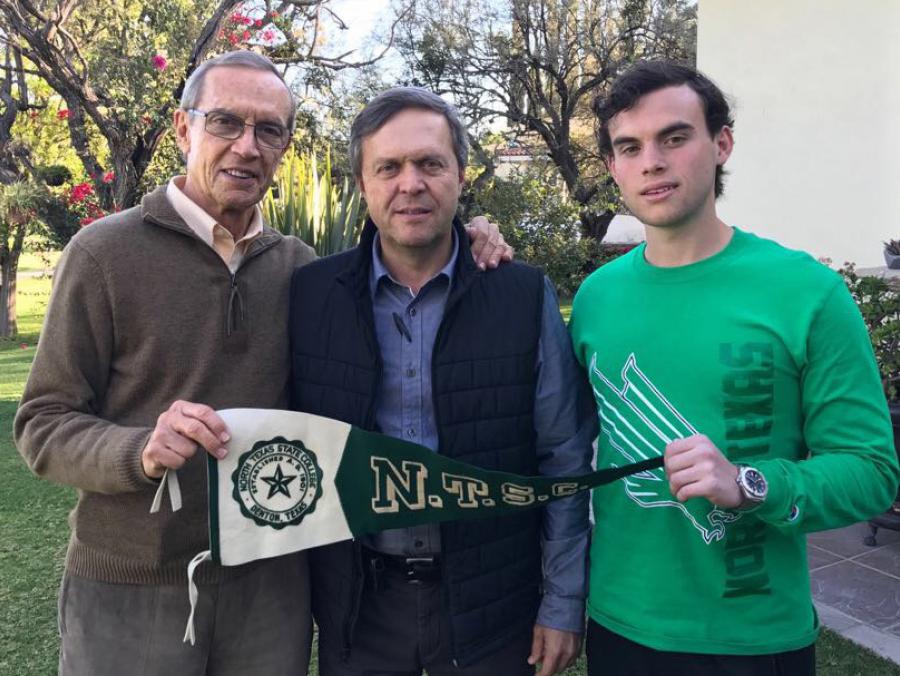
x: 415, y: 566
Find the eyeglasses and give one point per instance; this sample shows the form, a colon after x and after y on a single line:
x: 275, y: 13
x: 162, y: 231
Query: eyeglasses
x: 231, y: 127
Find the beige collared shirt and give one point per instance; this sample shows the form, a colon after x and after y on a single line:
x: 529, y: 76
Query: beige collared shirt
x: 205, y: 227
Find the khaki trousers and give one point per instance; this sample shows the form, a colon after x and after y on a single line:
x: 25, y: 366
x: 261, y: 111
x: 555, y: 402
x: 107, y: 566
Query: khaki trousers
x: 257, y: 624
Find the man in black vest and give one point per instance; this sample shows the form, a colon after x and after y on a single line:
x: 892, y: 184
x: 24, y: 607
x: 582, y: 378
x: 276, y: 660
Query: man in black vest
x: 405, y: 335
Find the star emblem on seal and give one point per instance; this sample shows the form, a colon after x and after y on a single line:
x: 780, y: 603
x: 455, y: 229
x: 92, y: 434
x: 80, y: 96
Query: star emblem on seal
x: 277, y: 482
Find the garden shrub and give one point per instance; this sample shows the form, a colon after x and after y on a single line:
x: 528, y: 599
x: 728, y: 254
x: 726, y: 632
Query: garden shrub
x: 537, y: 217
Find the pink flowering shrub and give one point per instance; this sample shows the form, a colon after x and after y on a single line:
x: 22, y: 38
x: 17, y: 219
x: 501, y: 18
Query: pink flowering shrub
x: 241, y: 28
x: 82, y: 202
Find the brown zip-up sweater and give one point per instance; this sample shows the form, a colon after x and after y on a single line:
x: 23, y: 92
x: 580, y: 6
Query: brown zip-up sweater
x: 142, y: 313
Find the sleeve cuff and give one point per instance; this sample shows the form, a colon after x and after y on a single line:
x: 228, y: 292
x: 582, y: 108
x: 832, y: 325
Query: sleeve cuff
x: 562, y: 614
x: 778, y: 508
x: 131, y: 468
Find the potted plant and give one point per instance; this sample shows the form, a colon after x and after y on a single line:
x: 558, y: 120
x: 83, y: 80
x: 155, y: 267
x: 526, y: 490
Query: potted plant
x: 879, y: 303
x: 892, y: 254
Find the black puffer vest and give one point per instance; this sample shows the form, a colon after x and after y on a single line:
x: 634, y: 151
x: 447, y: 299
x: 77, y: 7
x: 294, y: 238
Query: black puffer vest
x: 483, y: 388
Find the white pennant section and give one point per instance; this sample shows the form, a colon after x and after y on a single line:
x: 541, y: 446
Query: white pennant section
x: 274, y: 493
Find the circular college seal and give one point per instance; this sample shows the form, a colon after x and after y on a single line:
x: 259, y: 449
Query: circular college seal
x: 277, y: 482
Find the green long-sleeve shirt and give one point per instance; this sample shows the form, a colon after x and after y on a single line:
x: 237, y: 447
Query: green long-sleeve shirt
x: 763, y: 350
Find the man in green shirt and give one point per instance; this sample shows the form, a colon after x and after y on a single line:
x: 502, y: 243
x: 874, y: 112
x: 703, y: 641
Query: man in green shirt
x: 748, y: 367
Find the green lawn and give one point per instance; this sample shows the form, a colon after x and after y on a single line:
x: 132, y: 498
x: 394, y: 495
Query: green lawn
x: 33, y: 533
x: 33, y: 528
x: 31, y: 261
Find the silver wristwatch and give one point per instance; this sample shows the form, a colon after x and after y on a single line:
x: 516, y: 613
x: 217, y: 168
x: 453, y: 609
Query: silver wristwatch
x: 753, y: 485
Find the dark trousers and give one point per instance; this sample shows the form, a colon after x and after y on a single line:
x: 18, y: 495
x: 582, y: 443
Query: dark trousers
x: 402, y: 629
x: 609, y: 654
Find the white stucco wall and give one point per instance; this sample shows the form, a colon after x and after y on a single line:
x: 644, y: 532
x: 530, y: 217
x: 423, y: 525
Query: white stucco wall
x: 625, y: 230
x: 816, y: 88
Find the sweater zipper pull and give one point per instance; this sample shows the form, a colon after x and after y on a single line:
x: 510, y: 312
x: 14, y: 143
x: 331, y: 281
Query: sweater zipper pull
x: 230, y: 322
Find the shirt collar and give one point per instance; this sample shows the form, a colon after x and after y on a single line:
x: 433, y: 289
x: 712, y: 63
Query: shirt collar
x: 379, y: 271
x: 201, y: 222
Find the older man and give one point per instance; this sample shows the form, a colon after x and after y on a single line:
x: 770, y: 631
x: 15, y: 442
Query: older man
x: 413, y: 340
x: 160, y: 315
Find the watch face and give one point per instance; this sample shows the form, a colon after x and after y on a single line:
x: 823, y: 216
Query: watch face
x: 755, y: 482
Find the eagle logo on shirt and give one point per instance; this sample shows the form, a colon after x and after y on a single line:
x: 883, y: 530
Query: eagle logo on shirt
x: 639, y: 420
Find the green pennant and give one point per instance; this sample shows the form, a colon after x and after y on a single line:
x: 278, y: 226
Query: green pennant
x: 390, y: 483
x: 293, y: 481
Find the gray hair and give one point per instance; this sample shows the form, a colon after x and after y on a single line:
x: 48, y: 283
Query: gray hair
x: 387, y: 104
x: 243, y: 58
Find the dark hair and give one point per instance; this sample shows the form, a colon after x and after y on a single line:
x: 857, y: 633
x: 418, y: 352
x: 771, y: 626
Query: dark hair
x: 241, y: 58
x: 387, y: 104
x: 645, y: 77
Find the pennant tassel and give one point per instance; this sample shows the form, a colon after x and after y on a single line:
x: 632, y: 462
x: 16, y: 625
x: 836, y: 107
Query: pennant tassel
x: 170, y: 481
x: 194, y: 594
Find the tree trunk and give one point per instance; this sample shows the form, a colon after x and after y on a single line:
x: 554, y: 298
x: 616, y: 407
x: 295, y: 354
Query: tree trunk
x: 595, y: 225
x: 8, y: 268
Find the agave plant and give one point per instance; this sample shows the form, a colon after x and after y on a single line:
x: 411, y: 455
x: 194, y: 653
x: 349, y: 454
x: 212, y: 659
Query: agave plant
x: 306, y: 203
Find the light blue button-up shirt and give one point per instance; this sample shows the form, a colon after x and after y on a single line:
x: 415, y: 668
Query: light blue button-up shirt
x: 406, y: 325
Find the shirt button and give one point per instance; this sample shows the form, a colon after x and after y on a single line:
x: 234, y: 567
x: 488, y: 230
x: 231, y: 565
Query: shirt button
x: 410, y: 433
x: 410, y: 373
x: 412, y: 312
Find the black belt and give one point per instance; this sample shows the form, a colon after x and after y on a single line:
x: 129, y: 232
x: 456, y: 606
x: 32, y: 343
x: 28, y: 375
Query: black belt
x: 413, y: 569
